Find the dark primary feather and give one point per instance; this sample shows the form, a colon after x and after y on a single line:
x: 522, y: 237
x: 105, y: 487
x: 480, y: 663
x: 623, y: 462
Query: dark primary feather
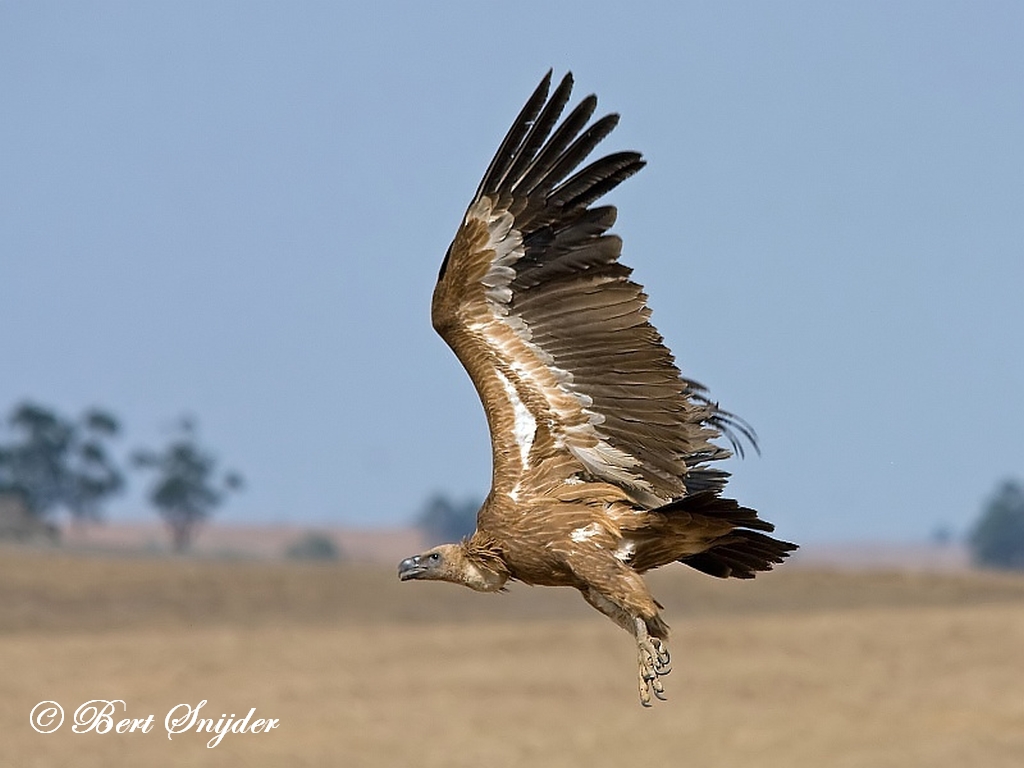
x: 509, y: 148
x: 563, y: 153
x: 535, y: 139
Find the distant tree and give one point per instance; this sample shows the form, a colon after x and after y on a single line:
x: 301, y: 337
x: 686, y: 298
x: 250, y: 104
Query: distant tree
x: 442, y: 519
x: 55, y: 462
x: 942, y: 535
x: 187, y: 487
x: 997, y: 539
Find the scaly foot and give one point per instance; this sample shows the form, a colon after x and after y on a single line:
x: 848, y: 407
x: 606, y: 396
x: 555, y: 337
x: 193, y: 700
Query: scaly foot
x: 652, y: 662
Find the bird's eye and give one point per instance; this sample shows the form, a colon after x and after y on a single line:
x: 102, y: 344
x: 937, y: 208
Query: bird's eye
x: 435, y: 557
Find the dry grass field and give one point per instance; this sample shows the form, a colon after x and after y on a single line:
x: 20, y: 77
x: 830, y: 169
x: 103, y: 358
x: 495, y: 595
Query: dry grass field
x: 802, y: 667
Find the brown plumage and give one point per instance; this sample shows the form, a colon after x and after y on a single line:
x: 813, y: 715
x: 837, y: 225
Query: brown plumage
x: 602, y: 450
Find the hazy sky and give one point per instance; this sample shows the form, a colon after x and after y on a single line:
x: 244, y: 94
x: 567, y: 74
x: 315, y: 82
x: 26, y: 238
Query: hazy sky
x: 238, y: 210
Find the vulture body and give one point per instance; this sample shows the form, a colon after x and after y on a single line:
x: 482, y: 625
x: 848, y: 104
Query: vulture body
x: 603, y: 452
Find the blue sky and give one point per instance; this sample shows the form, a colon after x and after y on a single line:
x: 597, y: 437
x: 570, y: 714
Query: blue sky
x: 237, y: 211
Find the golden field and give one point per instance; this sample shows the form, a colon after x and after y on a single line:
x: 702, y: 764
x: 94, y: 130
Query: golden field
x: 801, y: 667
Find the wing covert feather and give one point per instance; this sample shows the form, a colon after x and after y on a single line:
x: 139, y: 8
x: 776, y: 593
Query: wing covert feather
x: 575, y: 381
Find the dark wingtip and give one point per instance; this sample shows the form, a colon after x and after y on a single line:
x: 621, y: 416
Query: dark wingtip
x: 524, y: 120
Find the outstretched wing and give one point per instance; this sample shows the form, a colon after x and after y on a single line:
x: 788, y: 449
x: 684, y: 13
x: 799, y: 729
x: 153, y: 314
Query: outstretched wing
x: 531, y: 296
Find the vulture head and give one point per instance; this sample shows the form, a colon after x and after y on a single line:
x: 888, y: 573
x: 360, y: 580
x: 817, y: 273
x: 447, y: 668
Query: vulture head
x: 454, y: 563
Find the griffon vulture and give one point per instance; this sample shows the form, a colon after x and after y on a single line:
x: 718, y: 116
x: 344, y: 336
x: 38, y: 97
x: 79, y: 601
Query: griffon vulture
x: 603, y: 453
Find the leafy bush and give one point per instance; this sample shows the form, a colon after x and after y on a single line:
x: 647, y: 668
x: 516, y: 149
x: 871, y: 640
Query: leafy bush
x: 314, y: 546
x: 997, y: 539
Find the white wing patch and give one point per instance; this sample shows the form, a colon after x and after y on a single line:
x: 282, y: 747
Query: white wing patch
x: 525, y: 425
x: 586, y: 533
x: 537, y: 369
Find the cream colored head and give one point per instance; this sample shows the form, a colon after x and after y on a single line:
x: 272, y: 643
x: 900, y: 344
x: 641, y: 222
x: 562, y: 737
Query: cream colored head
x: 454, y: 563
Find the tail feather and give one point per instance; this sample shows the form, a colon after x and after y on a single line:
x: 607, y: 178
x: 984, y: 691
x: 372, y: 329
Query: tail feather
x: 740, y: 555
x: 710, y: 504
x: 742, y: 552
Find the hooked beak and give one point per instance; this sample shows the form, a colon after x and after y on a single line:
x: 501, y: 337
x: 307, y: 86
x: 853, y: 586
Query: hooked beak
x: 411, y: 568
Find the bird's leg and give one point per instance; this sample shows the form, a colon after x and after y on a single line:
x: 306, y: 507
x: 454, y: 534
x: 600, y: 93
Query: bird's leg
x: 652, y: 661
x: 652, y: 654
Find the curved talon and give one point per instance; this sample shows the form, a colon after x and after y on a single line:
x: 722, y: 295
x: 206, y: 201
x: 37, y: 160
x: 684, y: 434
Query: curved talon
x: 664, y: 659
x: 645, y: 694
x: 653, y: 663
